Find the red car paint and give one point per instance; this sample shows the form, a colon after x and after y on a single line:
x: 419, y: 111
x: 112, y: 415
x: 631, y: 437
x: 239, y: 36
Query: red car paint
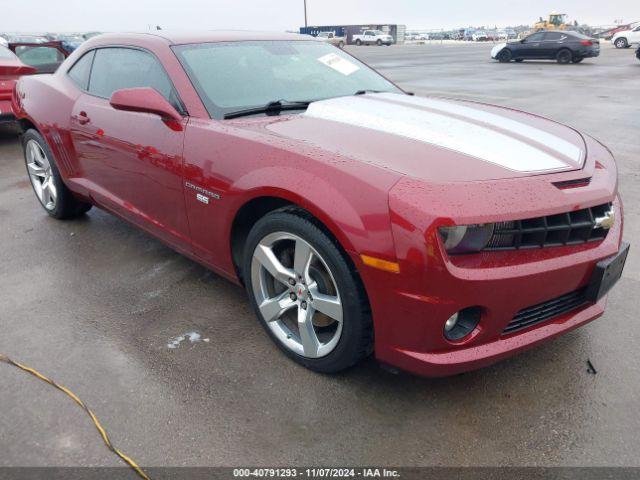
x: 379, y: 195
x: 11, y: 68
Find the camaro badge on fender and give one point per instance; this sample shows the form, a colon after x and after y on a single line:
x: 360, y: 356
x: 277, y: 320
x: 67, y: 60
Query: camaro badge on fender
x: 203, y: 195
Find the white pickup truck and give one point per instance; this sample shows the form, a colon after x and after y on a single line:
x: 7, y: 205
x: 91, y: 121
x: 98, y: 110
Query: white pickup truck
x: 373, y: 37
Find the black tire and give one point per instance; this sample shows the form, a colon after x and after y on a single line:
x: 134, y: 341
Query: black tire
x: 519, y: 60
x: 577, y: 59
x: 341, y: 44
x: 564, y: 56
x: 621, y: 43
x: 67, y: 206
x: 504, y: 56
x: 356, y: 339
x: 358, y: 42
x: 379, y: 42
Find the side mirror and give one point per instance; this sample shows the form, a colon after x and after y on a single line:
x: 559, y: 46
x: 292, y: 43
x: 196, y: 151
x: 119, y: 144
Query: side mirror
x: 146, y: 100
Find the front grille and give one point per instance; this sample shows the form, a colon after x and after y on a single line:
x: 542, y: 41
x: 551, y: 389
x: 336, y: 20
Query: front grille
x: 547, y: 310
x: 569, y: 228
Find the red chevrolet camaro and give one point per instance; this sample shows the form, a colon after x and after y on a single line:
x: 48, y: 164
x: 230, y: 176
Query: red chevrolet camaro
x: 443, y: 235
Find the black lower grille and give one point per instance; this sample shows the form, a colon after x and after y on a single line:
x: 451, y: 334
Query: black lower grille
x: 569, y: 228
x: 547, y: 310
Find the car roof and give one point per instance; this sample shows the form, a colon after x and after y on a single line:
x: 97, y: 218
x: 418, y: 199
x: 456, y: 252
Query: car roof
x: 188, y: 37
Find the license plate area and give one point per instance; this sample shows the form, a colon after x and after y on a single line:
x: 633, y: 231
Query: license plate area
x: 606, y: 274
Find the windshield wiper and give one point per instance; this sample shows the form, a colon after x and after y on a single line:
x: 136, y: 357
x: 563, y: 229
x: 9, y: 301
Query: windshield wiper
x: 271, y: 108
x: 363, y: 92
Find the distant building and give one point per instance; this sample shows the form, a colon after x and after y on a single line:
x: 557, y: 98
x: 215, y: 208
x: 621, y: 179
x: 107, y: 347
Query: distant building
x: 348, y: 31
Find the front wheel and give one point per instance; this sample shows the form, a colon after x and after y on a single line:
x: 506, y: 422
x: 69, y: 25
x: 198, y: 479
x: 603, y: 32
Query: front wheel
x: 305, y: 293
x: 379, y: 42
x: 341, y: 44
x: 504, y: 56
x: 54, y: 196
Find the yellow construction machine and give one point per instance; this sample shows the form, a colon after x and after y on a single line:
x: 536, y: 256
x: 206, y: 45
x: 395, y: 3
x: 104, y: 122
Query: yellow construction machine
x: 556, y: 21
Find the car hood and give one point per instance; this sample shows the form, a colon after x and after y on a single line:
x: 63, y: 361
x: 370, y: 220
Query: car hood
x: 435, y: 138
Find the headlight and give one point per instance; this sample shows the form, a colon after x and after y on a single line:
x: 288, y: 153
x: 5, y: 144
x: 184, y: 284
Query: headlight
x: 466, y: 238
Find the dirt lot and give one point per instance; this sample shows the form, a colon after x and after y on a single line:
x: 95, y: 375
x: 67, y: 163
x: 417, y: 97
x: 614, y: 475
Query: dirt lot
x: 94, y: 304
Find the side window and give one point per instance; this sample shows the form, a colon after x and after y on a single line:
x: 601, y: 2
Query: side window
x: 554, y: 36
x: 115, y: 68
x: 536, y: 37
x: 80, y: 71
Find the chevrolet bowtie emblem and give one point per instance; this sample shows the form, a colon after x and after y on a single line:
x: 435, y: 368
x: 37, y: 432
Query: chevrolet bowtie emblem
x: 606, y: 221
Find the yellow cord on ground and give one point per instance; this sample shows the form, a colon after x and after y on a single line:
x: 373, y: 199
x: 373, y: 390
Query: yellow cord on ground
x: 96, y: 422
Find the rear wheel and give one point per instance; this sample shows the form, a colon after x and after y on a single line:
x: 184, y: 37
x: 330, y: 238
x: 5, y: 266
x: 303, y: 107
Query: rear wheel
x: 504, y: 56
x: 307, y: 297
x: 54, y: 196
x: 621, y: 43
x: 358, y: 42
x: 379, y: 42
x: 564, y: 56
x: 341, y: 44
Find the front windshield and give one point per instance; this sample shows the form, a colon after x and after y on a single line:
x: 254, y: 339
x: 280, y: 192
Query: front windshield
x: 233, y: 76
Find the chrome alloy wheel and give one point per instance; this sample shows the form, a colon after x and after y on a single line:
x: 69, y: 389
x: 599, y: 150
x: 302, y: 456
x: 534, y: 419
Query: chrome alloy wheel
x: 41, y: 175
x: 296, y: 294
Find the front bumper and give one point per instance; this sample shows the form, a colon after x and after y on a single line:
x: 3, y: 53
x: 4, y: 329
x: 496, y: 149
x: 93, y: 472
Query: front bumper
x: 410, y: 335
x: 410, y: 308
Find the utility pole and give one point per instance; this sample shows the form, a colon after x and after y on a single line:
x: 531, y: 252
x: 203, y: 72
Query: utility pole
x: 305, y: 13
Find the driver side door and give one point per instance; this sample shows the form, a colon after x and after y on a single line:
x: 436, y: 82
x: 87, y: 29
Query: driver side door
x: 131, y: 162
x: 369, y: 37
x: 532, y: 46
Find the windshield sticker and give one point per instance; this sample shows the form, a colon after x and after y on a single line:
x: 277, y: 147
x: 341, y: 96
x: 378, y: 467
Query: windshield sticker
x: 339, y: 64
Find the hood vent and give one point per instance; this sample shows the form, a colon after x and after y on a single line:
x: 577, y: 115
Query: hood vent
x: 577, y: 183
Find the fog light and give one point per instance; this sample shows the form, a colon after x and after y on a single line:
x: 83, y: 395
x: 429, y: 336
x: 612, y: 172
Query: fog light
x: 449, y: 324
x: 462, y: 323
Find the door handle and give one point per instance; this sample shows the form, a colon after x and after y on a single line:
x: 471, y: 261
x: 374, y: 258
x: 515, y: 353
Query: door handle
x: 81, y: 118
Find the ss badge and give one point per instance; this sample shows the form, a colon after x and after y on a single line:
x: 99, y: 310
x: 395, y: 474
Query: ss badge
x: 202, y: 198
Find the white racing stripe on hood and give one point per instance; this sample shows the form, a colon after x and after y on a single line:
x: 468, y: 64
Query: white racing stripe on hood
x: 437, y: 129
x: 550, y: 141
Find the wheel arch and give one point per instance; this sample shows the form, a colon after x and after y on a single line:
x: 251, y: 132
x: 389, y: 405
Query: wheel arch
x: 257, y: 206
x: 26, y: 123
x: 624, y: 39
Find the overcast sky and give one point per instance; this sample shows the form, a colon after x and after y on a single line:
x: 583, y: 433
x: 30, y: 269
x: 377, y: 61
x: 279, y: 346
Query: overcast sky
x: 114, y: 15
